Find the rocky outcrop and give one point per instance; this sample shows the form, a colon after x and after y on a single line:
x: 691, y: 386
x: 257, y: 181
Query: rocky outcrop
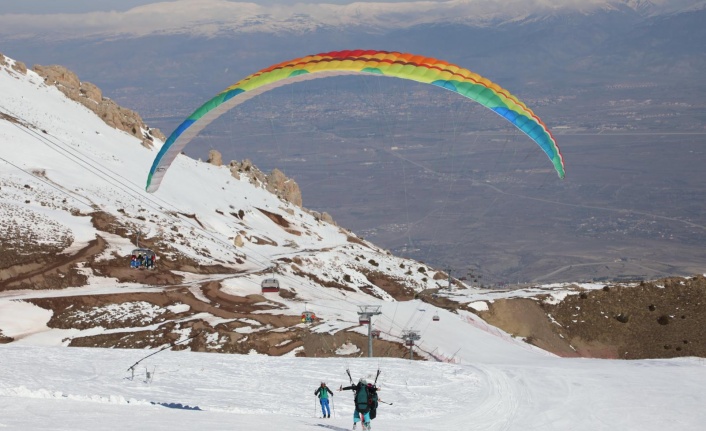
x: 17, y: 66
x: 92, y: 98
x: 276, y: 182
x: 215, y: 158
x: 284, y: 187
x: 324, y: 216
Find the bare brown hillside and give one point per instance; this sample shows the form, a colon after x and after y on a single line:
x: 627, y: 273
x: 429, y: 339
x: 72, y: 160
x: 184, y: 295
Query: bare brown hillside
x: 660, y: 319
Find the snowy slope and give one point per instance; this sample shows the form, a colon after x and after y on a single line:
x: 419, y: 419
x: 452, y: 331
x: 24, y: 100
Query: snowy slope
x: 91, y: 389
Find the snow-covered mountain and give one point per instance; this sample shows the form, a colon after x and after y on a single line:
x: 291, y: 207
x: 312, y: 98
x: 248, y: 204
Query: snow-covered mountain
x: 71, y: 201
x: 73, y: 205
x: 221, y: 17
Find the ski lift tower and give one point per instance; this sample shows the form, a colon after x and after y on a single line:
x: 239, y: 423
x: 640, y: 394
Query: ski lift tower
x: 365, y: 316
x: 409, y: 337
x: 448, y: 272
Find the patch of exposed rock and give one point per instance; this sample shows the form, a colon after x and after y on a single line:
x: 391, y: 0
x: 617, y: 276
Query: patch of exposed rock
x: 92, y: 98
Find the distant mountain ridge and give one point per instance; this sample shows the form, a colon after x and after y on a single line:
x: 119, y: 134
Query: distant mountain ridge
x: 609, y: 38
x: 218, y: 18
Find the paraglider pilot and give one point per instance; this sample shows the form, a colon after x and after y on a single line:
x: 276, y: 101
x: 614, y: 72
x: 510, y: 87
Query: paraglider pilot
x: 323, y: 392
x: 362, y: 403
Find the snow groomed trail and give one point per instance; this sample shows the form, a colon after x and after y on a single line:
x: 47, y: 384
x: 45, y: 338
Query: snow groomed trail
x: 54, y: 388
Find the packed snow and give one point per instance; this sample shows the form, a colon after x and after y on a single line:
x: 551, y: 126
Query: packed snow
x: 50, y: 388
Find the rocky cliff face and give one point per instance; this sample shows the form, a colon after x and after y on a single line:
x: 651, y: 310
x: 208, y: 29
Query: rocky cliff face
x: 92, y: 98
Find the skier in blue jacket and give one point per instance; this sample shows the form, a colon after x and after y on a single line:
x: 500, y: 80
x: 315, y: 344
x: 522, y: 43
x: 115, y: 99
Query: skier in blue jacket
x: 323, y: 392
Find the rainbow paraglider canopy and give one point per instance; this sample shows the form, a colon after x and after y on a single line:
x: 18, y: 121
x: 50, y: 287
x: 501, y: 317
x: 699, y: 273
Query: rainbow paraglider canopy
x: 382, y: 63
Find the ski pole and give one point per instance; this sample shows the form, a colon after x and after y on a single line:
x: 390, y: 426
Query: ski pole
x: 314, y: 407
x: 389, y: 404
x: 333, y: 404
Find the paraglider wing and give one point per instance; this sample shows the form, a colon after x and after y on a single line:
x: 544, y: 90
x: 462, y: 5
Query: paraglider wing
x: 382, y: 63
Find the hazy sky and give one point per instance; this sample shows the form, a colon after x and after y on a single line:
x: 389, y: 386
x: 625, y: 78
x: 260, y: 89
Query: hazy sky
x: 78, y: 6
x: 74, y: 6
x: 67, y: 6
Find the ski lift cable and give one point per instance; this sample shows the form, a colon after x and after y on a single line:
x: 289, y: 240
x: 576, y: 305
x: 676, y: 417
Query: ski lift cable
x: 411, y: 317
x: 101, y: 173
x: 98, y: 173
x: 394, y: 315
x: 49, y: 184
x: 115, y: 183
x: 421, y: 334
x: 419, y: 320
x: 65, y: 153
x: 392, y: 323
x: 120, y: 186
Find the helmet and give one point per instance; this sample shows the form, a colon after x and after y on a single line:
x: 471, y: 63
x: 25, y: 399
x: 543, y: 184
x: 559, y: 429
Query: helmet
x: 362, y: 381
x: 323, y: 383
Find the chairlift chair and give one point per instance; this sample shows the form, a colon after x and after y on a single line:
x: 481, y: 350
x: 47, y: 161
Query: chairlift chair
x: 409, y: 343
x: 436, y: 317
x: 143, y: 257
x: 375, y: 333
x: 364, y: 319
x: 270, y: 285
